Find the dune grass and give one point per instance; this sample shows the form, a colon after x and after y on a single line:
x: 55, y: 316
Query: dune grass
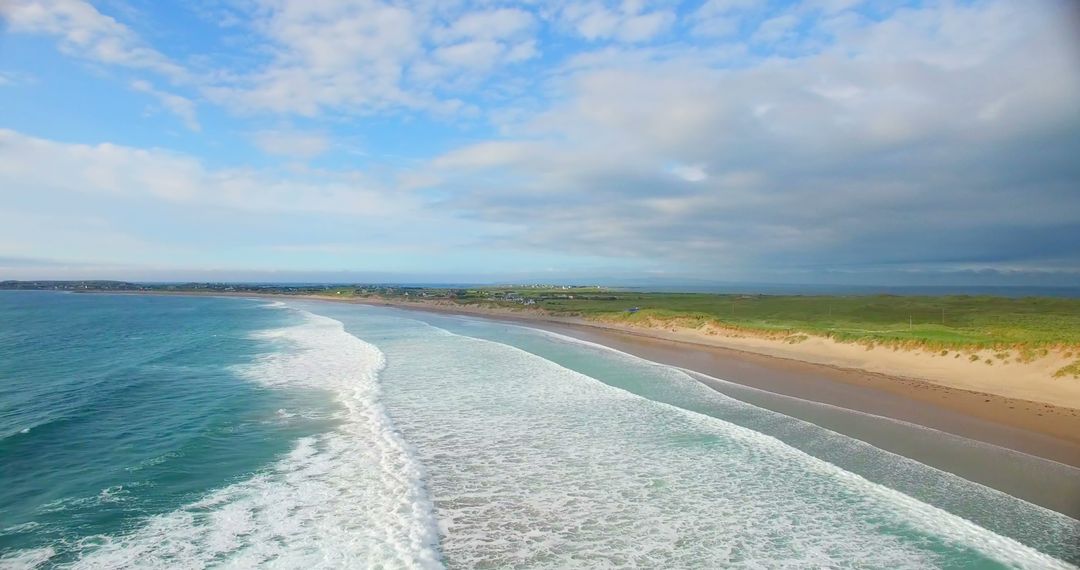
x: 1069, y: 371
x: 946, y: 322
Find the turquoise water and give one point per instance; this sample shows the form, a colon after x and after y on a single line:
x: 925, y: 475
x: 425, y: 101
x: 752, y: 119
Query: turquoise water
x: 140, y: 431
x: 113, y: 409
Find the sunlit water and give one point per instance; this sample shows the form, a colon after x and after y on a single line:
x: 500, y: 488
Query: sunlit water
x: 167, y: 431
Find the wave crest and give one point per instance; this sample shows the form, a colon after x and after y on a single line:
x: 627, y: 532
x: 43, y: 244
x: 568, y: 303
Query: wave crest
x: 351, y: 497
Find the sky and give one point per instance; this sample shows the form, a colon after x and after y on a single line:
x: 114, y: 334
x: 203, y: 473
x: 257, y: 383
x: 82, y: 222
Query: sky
x: 813, y: 141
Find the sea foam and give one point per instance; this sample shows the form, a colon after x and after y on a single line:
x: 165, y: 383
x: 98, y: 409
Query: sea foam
x: 535, y: 465
x: 352, y: 497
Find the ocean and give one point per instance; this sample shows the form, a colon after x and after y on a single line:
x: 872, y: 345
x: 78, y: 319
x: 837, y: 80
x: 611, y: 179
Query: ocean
x: 166, y: 431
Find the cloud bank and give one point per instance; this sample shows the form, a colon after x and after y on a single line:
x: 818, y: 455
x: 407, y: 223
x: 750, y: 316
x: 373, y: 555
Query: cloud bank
x: 727, y: 140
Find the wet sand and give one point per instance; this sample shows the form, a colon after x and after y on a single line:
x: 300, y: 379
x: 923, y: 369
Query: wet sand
x: 1033, y: 451
x: 1036, y: 428
x: 930, y: 426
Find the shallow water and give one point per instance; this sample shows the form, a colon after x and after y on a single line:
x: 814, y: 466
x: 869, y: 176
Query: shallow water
x: 165, y: 431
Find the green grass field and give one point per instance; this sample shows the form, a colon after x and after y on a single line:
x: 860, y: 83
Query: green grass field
x: 946, y: 322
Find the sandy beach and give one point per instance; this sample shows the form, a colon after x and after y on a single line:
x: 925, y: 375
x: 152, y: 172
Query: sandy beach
x: 1027, y: 438
x: 1016, y: 406
x: 961, y: 399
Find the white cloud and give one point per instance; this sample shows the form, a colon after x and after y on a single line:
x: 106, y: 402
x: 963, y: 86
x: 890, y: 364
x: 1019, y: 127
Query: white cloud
x: 715, y: 7
x: 472, y: 54
x: 488, y: 154
x: 720, y: 18
x: 85, y: 32
x: 594, y: 21
x: 64, y: 236
x: 482, y: 40
x: 371, y: 56
x: 689, y: 172
x: 521, y: 51
x: 356, y: 57
x: 831, y: 6
x: 292, y: 143
x: 328, y: 54
x: 643, y: 27
x: 45, y: 167
x: 686, y: 152
x: 627, y: 23
x: 774, y: 29
x: 180, y: 106
x: 14, y: 78
x: 903, y: 122
x: 493, y: 24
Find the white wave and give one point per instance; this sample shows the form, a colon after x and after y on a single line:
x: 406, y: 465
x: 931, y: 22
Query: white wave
x: 27, y: 559
x: 693, y: 375
x: 353, y: 497
x: 535, y: 465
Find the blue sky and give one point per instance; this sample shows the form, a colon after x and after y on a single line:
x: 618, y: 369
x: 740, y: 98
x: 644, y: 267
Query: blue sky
x: 730, y: 140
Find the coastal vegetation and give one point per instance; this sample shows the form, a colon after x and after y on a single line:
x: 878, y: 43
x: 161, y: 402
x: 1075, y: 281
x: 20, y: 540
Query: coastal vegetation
x: 1030, y: 325
x: 1072, y: 370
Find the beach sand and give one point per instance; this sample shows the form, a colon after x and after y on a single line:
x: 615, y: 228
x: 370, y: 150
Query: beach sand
x: 1034, y: 450
x: 969, y: 401
x: 1031, y: 440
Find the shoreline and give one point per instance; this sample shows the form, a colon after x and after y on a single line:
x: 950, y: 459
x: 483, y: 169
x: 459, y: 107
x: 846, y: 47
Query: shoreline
x: 1034, y: 428
x: 1040, y: 429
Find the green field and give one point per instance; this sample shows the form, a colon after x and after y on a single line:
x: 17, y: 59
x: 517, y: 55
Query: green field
x: 959, y: 326
x: 946, y: 322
